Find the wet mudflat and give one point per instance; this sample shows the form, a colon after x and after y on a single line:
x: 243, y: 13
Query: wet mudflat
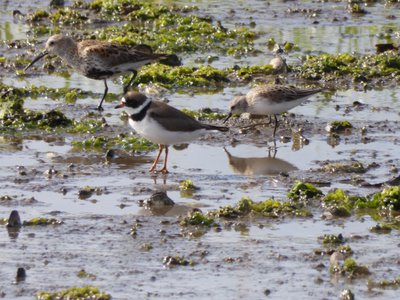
x: 113, y: 239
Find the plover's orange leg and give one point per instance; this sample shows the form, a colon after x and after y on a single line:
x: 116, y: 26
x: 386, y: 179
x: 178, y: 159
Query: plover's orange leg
x: 164, y: 169
x: 134, y: 73
x: 153, y: 166
x: 100, y: 107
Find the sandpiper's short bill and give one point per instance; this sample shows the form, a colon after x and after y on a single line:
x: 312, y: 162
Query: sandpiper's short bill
x: 270, y: 100
x: 162, y: 124
x: 102, y: 60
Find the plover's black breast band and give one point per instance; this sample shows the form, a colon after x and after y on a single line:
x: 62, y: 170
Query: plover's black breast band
x: 140, y: 115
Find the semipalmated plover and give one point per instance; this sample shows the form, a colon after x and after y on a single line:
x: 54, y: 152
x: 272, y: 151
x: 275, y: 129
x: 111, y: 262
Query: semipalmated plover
x: 269, y: 100
x: 102, y: 60
x: 162, y: 124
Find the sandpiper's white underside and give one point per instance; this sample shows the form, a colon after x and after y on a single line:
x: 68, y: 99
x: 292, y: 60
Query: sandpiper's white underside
x: 154, y: 132
x: 261, y: 106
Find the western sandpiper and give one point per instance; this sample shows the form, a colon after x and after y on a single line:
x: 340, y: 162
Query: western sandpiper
x: 269, y: 165
x: 102, y: 60
x: 270, y: 100
x: 162, y: 124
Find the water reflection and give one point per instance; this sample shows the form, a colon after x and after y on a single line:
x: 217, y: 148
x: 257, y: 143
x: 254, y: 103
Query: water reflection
x: 14, y: 225
x: 120, y: 159
x: 11, y: 143
x: 269, y: 165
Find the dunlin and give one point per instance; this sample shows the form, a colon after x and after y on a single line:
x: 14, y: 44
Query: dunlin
x: 102, y: 60
x: 162, y: 124
x: 270, y: 100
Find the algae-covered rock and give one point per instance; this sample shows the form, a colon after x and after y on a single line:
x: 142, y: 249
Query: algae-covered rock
x: 338, y: 126
x: 83, y: 274
x: 386, y: 200
x: 381, y: 228
x: 346, y: 167
x: 331, y: 67
x: 385, y: 283
x: 173, y: 261
x: 42, y: 221
x: 331, y: 239
x: 74, y: 293
x: 269, y: 208
x: 187, y: 188
x: 350, y: 269
x: 197, y: 218
x: 302, y: 190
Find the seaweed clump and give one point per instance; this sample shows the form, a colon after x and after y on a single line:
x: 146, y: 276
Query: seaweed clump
x: 385, y: 203
x: 350, y: 269
x: 13, y: 115
x: 303, y: 191
x: 74, y: 293
x: 42, y: 222
x: 363, y: 68
x: 269, y: 208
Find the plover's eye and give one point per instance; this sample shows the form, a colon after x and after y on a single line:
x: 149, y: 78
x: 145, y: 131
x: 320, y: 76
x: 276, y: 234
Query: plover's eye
x: 51, y: 43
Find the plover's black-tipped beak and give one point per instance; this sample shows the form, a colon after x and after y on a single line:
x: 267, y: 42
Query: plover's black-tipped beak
x: 122, y: 104
x: 227, y: 118
x: 43, y: 54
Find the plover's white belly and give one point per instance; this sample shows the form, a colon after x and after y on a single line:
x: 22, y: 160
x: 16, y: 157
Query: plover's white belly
x: 265, y: 107
x: 154, y: 132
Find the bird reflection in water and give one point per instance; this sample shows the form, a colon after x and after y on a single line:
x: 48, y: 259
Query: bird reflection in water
x: 259, y: 165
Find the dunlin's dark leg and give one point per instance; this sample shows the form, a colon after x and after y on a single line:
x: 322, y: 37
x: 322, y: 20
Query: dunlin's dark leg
x: 100, y: 107
x: 153, y: 166
x: 164, y: 169
x: 276, y: 125
x: 134, y: 73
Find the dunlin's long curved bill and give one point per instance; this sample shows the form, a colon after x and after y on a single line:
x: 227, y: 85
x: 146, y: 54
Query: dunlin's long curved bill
x: 41, y: 55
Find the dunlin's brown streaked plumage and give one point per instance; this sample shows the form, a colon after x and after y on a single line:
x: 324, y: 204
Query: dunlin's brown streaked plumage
x: 102, y: 60
x: 162, y: 124
x: 270, y: 100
